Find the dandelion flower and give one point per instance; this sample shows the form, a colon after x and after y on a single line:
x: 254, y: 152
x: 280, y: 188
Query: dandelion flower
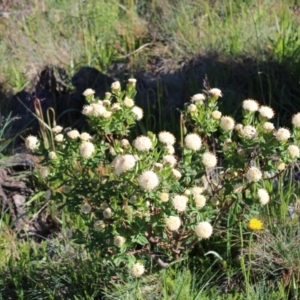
x: 32, y: 142
x: 227, y: 123
x: 142, y: 143
x: 86, y: 149
x: 166, y: 138
x: 180, y: 202
x: 192, y: 141
x: 293, y: 151
x: 204, y: 230
x: 138, y: 113
x: 173, y: 223
x: 266, y: 112
x: 88, y: 92
x: 148, y: 180
x: 119, y: 241
x: 137, y: 270
x: 209, y: 160
x: 255, y: 224
x: 282, y: 134
x: 253, y: 174
x: 296, y: 120
x: 263, y: 196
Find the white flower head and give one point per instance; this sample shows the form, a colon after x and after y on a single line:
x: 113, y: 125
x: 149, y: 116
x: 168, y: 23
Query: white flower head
x: 86, y: 149
x: 216, y: 93
x: 138, y: 112
x: 59, y: 138
x: 148, y: 180
x: 253, y: 174
x: 85, y: 136
x: 164, y: 197
x: 88, y: 92
x: 158, y: 166
x: 32, y: 142
x: 87, y: 110
x: 119, y: 241
x: 293, y: 151
x: 250, y: 105
x: 166, y: 138
x: 268, y: 127
x: 128, y: 102
x: 196, y: 191
x: 57, y: 129
x: 263, y: 196
x: 98, y: 110
x: 198, y: 98
x: 248, y: 132
x: 200, y: 201
x: 116, y: 86
x: 266, y: 112
x: 86, y: 208
x: 239, y: 127
x: 115, y: 107
x: 180, y: 202
x: 132, y: 82
x: 124, y: 143
x: 204, y: 230
x: 280, y: 166
x: 170, y: 149
x: 73, y: 134
x: 142, y: 143
x: 192, y: 108
x: 137, y: 270
x: 106, y: 103
x: 173, y: 223
x: 193, y: 141
x: 170, y: 159
x: 99, y: 225
x: 107, y: 213
x: 227, y: 123
x: 52, y: 155
x: 209, y: 160
x: 106, y: 114
x: 176, y: 173
x: 216, y: 115
x: 44, y: 171
x: 123, y: 163
x: 296, y: 120
x: 282, y: 134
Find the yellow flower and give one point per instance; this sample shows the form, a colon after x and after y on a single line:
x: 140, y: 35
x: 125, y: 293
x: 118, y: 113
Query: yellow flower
x: 255, y: 224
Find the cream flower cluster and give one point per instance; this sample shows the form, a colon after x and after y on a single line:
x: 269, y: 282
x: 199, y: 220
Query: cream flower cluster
x: 138, y: 113
x: 148, y: 180
x: 166, y: 138
x: 88, y: 92
x: 57, y: 129
x: 250, y: 105
x: 119, y: 241
x: 215, y: 92
x: 193, y: 141
x: 266, y: 112
x: 173, y: 223
x: 198, y: 98
x: 268, y: 127
x: 169, y: 159
x: 142, y: 143
x: 209, y: 160
x: 227, y: 123
x: 99, y: 225
x: 293, y: 151
x: 32, y: 142
x: 180, y: 202
x: 296, y: 120
x: 216, y: 115
x: 73, y: 134
x: 263, y: 196
x: 137, y: 270
x: 86, y: 149
x: 248, y: 132
x: 123, y: 163
x: 253, y: 174
x: 282, y: 134
x: 204, y: 230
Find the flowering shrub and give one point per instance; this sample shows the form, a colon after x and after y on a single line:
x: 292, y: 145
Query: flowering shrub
x: 138, y: 200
